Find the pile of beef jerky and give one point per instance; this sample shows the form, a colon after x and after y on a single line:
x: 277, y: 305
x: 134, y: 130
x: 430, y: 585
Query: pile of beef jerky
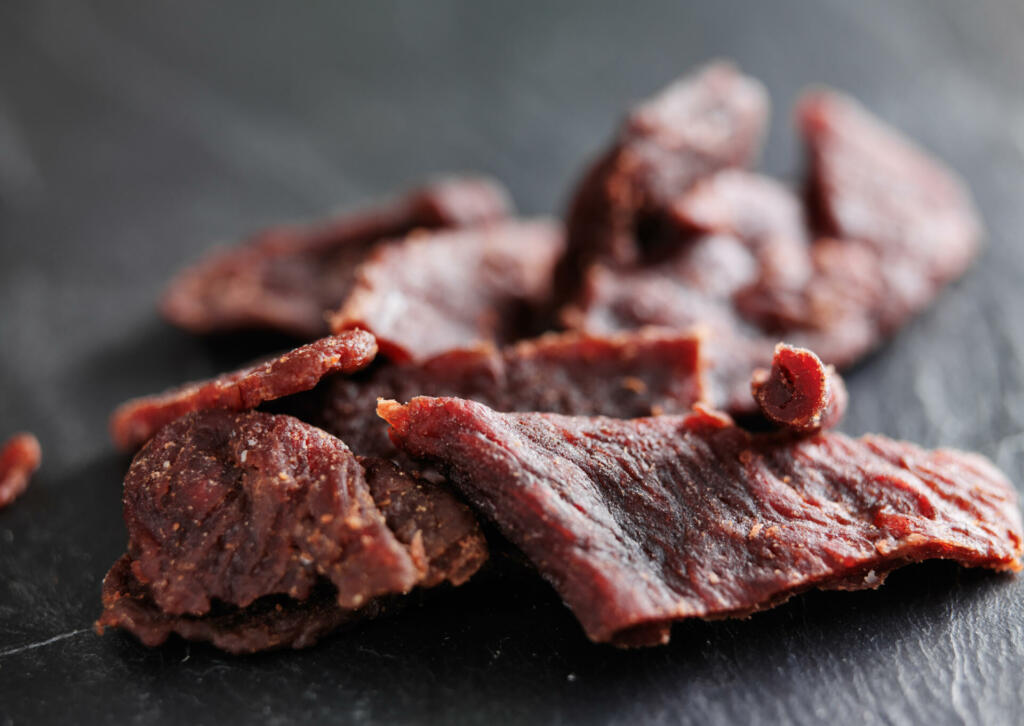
x: 579, y: 389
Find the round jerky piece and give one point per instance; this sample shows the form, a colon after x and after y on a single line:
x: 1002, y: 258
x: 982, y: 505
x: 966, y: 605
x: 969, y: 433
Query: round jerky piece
x: 236, y: 506
x: 799, y: 392
x: 135, y: 422
x: 19, y: 458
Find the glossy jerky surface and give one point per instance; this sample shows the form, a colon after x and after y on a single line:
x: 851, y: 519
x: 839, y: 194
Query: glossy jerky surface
x: 436, y: 292
x: 136, y: 421
x: 627, y: 375
x: 640, y: 523
x: 20, y: 456
x: 286, y: 278
x: 235, y: 506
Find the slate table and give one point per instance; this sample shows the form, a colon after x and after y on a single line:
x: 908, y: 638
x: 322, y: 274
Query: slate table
x: 135, y: 135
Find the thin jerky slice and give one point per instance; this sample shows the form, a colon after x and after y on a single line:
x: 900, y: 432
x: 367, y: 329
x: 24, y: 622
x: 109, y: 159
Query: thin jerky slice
x: 640, y: 523
x: 711, y: 119
x: 632, y: 374
x: 286, y: 278
x: 799, y: 392
x: 135, y: 422
x: 236, y: 506
x: 423, y: 516
x: 19, y: 459
x: 435, y: 292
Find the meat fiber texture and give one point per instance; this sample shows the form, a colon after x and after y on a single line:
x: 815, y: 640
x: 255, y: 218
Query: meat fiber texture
x: 455, y: 289
x: 886, y: 228
x: 136, y: 421
x: 20, y: 456
x: 287, y: 278
x: 627, y: 375
x: 640, y: 523
x: 240, y: 524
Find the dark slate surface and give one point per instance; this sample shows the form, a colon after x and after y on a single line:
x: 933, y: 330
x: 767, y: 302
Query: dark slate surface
x: 134, y: 135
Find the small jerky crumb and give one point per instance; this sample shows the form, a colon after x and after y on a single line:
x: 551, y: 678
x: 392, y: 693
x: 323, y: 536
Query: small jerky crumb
x: 799, y: 392
x: 136, y: 421
x: 19, y: 459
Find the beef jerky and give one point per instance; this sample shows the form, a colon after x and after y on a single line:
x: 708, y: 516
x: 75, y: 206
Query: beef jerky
x: 19, y: 459
x: 641, y: 523
x: 455, y: 289
x: 285, y: 278
x: 738, y: 257
x: 799, y: 392
x: 709, y: 120
x: 638, y: 373
x: 423, y: 516
x: 235, y: 506
x: 135, y: 422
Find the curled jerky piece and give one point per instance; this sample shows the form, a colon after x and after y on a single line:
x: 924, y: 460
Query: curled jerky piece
x: 235, y: 506
x: 640, y: 523
x: 435, y: 292
x: 135, y: 422
x: 286, y: 278
x: 799, y: 392
x: 19, y: 459
x: 711, y: 119
x: 637, y: 373
x: 423, y: 516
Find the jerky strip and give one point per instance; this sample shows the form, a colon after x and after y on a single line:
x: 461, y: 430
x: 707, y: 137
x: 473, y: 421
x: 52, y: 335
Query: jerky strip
x: 285, y: 278
x: 640, y: 523
x: 135, y: 422
x: 799, y: 392
x: 19, y: 459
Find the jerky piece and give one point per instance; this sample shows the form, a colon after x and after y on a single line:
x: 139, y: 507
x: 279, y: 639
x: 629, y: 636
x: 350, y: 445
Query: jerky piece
x: 638, y: 373
x: 236, y: 506
x: 639, y: 523
x: 708, y: 120
x: 19, y: 459
x: 269, y: 623
x: 799, y: 392
x: 435, y: 292
x: 135, y: 422
x: 287, y: 277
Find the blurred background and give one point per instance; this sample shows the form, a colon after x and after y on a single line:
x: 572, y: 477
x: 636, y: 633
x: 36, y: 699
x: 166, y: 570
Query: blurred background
x: 134, y: 136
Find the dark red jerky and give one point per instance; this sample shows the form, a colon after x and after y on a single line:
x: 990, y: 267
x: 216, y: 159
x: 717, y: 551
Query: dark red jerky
x: 641, y: 523
x: 135, y: 422
x: 286, y: 278
x: 437, y: 292
x: 711, y: 119
x: 269, y: 623
x: 235, y: 506
x: 799, y: 392
x: 638, y: 373
x: 425, y: 517
x: 19, y: 459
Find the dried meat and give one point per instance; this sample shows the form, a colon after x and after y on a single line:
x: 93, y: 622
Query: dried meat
x: 286, y: 278
x: 641, y: 523
x: 888, y: 227
x: 436, y: 292
x: 255, y: 531
x: 637, y: 373
x: 799, y: 392
x: 136, y: 421
x: 19, y: 459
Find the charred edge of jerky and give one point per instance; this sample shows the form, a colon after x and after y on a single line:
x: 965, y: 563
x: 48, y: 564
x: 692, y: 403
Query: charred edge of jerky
x: 799, y: 392
x: 239, y: 288
x: 136, y: 421
x: 19, y: 460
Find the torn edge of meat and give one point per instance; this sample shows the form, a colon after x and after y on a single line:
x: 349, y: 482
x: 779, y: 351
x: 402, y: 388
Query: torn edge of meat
x: 308, y: 539
x: 799, y: 392
x: 286, y: 278
x: 136, y: 421
x: 640, y: 523
x: 19, y: 459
